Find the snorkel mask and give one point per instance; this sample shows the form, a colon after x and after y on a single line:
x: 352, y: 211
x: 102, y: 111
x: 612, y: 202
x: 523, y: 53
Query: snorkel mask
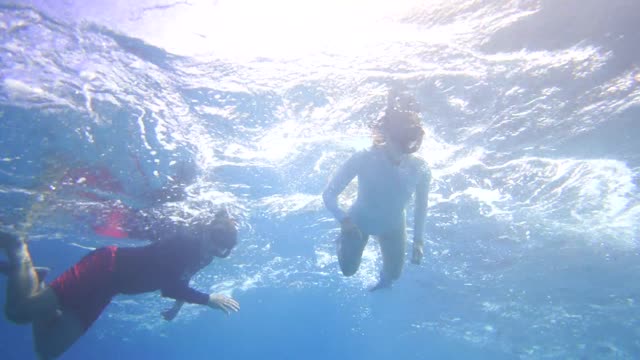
x: 404, y: 131
x: 224, y: 228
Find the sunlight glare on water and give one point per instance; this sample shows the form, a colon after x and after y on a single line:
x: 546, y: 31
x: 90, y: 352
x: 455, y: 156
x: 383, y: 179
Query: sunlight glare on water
x: 282, y: 29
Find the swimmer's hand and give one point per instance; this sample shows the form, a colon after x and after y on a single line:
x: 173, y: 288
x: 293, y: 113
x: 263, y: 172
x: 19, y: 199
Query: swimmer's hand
x: 418, y: 252
x: 349, y: 229
x: 224, y: 303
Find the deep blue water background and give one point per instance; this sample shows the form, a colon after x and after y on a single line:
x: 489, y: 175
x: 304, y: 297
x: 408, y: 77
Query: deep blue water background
x: 531, y: 111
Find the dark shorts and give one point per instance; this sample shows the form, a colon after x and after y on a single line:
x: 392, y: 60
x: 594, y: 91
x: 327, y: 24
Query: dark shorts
x: 88, y: 286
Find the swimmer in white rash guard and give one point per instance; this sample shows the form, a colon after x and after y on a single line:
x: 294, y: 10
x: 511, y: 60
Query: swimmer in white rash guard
x: 388, y: 175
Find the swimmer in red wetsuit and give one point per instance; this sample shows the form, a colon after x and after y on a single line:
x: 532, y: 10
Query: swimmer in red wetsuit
x: 62, y: 311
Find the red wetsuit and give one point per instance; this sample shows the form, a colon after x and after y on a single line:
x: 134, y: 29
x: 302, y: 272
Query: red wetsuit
x: 166, y: 265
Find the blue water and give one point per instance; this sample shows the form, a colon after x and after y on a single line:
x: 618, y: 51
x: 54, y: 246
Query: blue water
x: 531, y: 115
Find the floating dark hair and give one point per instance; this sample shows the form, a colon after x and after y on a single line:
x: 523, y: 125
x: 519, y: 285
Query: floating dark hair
x: 390, y: 119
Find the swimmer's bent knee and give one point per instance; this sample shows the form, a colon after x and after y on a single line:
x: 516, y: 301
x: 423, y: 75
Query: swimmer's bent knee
x: 16, y: 315
x: 349, y: 269
x: 394, y: 273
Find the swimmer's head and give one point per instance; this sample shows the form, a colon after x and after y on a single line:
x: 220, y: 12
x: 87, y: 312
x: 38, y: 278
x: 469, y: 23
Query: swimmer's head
x: 223, y: 234
x: 402, y: 129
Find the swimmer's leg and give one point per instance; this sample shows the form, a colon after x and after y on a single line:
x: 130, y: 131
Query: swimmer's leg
x: 350, y: 250
x: 392, y: 246
x: 26, y: 299
x: 42, y: 272
x: 53, y: 336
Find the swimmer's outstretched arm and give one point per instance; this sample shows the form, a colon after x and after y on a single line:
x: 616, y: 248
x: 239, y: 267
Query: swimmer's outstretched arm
x: 181, y: 292
x: 422, y: 196
x: 341, y: 178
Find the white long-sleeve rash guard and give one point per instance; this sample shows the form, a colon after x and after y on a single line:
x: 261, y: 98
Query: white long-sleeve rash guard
x: 384, y: 190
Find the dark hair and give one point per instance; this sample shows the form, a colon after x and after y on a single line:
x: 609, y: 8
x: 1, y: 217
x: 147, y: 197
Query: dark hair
x: 392, y: 119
